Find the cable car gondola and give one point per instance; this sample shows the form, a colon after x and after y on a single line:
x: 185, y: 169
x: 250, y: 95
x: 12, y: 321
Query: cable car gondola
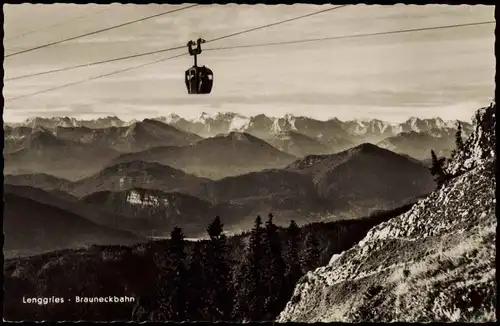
x: 199, y: 80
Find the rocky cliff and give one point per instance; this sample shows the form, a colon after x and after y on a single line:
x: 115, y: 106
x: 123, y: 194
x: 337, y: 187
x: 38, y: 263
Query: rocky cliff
x: 433, y: 263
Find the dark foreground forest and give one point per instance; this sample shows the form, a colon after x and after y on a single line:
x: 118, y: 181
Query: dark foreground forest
x: 250, y: 276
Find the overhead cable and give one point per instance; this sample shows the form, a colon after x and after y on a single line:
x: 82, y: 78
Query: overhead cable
x: 171, y: 48
x: 96, y: 77
x: 55, y: 25
x: 348, y: 36
x: 262, y: 44
x: 100, y: 31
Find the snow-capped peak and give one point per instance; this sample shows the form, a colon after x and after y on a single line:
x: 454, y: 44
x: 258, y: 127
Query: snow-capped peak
x: 169, y: 118
x: 239, y: 123
x: 291, y: 121
x: 413, y: 124
x: 202, y: 118
x: 440, y: 123
x: 285, y: 123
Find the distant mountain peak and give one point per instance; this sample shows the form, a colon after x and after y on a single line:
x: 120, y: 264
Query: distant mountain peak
x: 170, y: 118
x: 368, y: 147
x: 286, y: 122
x: 371, y: 149
x: 145, y: 123
x: 138, y: 165
x: 133, y: 129
x: 43, y: 137
x: 218, y: 115
x: 236, y: 136
x: 155, y: 123
x: 110, y: 117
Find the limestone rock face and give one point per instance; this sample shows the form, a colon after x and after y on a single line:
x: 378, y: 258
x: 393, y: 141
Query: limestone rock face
x: 434, y: 263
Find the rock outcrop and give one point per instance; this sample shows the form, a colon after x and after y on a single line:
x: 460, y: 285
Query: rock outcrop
x: 433, y: 263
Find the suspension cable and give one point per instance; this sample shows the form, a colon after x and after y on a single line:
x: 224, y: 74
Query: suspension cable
x: 276, y: 23
x: 55, y: 25
x: 252, y: 45
x: 95, y: 63
x: 100, y: 31
x: 259, y: 45
x: 348, y: 36
x: 96, y: 77
x: 170, y: 49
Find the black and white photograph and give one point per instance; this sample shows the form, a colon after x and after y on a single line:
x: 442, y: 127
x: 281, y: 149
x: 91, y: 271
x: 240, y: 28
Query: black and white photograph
x: 249, y: 162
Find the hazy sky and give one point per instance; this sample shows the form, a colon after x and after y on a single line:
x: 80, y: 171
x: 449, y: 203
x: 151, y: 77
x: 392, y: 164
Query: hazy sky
x: 447, y: 73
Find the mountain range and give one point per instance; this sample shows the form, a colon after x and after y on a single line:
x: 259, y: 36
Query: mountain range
x: 144, y: 177
x: 43, y: 152
x: 223, y: 122
x: 216, y: 157
x: 134, y: 137
x: 105, y: 122
x: 354, y: 182
x: 295, y: 136
x: 287, y: 132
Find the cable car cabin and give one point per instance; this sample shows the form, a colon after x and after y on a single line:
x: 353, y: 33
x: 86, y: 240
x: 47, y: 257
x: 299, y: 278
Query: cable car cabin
x: 199, y: 80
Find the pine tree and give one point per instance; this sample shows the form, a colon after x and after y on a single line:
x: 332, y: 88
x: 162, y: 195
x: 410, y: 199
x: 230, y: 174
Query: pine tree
x: 274, y: 270
x: 437, y: 169
x: 311, y: 254
x: 218, y: 269
x: 148, y: 297
x: 197, y: 281
x: 241, y: 289
x: 172, y: 299
x: 459, y: 142
x: 249, y: 303
x: 293, y: 271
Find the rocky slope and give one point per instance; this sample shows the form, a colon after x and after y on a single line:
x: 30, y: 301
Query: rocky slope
x: 433, y: 263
